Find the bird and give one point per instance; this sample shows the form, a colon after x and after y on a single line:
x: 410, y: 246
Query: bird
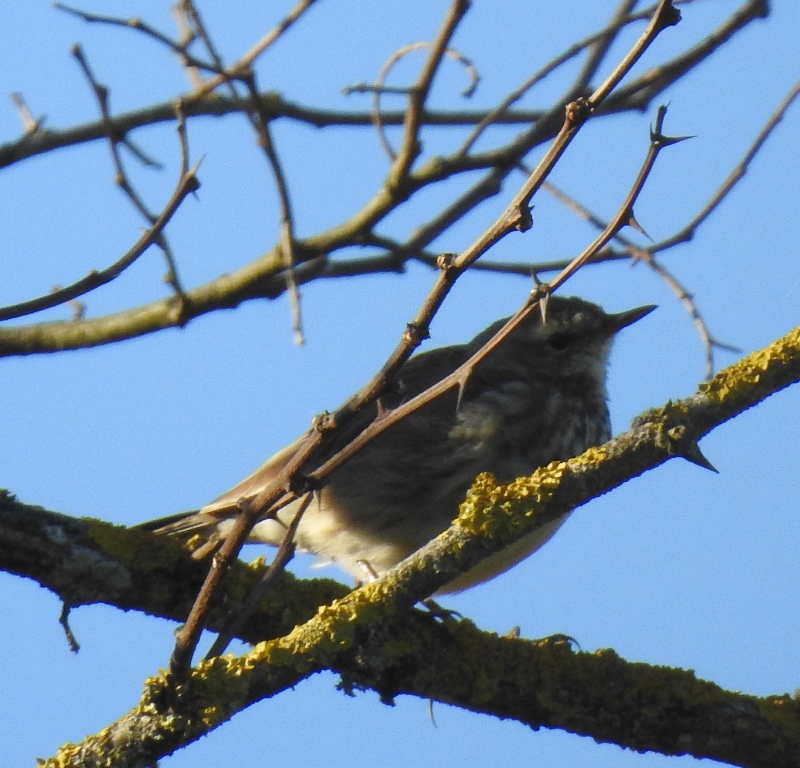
x: 539, y: 396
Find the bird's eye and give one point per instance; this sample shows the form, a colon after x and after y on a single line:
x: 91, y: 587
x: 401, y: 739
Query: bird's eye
x: 559, y: 341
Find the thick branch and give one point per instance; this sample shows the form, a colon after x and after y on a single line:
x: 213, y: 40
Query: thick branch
x: 589, y: 693
x: 541, y: 683
x: 87, y: 561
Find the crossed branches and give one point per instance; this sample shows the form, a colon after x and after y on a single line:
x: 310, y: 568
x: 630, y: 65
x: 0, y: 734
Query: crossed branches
x: 292, y: 262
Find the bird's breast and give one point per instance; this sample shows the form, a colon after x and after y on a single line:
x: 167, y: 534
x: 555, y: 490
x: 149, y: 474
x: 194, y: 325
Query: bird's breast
x: 512, y: 429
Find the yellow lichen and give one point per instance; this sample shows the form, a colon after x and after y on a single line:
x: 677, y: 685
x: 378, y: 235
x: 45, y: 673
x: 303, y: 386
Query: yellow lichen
x: 134, y: 547
x: 589, y: 457
x: 742, y: 375
x: 499, y: 510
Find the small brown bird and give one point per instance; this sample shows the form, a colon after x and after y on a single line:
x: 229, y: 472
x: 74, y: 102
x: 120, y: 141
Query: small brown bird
x: 540, y: 396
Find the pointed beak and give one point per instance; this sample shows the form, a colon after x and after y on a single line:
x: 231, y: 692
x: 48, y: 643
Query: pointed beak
x: 624, y: 319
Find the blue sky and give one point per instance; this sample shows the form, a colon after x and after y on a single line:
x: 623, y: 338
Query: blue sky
x: 680, y: 567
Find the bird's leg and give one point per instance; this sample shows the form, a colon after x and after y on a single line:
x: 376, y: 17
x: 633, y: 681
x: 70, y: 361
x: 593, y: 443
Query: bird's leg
x: 369, y: 572
x: 436, y: 610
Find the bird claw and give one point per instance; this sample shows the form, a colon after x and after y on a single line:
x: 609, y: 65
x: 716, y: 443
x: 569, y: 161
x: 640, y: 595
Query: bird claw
x: 561, y: 638
x: 443, y: 614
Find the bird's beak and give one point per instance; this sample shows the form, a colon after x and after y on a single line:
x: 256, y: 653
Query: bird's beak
x: 624, y: 319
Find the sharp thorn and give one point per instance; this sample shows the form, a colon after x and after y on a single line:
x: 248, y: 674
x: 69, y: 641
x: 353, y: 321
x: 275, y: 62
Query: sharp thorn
x: 462, y: 385
x: 543, y: 302
x: 692, y: 453
x: 668, y: 141
x: 633, y: 224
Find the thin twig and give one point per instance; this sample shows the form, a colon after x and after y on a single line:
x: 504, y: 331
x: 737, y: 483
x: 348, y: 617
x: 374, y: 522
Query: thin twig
x: 246, y: 61
x: 135, y: 23
x: 686, y: 233
x: 646, y: 255
x: 638, y: 93
x: 260, y: 121
x: 63, y: 620
x: 517, y: 214
x: 187, y: 36
x: 599, y: 49
x: 733, y: 178
x: 381, y: 88
x: 121, y: 177
x: 30, y: 125
x: 191, y: 24
x: 284, y: 554
x: 287, y: 239
x: 187, y: 184
x: 181, y: 48
x: 710, y: 343
x: 666, y: 15
x: 409, y: 144
x: 501, y: 110
x: 140, y: 154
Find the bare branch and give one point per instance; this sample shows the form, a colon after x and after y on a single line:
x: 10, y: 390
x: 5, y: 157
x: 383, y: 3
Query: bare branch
x: 248, y: 59
x: 260, y: 120
x: 47, y: 140
x: 738, y: 173
x: 138, y: 25
x: 187, y: 184
x: 501, y: 110
x: 380, y: 88
x: 261, y: 124
x: 410, y: 146
x: 121, y: 177
x: 599, y: 49
x: 640, y: 92
x: 264, y: 276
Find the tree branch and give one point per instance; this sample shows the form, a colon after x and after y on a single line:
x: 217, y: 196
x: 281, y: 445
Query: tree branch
x: 266, y: 276
x: 357, y: 635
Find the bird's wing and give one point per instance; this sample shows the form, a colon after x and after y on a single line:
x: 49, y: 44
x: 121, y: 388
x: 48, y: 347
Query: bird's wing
x: 419, y: 373
x: 226, y: 505
x: 254, y: 483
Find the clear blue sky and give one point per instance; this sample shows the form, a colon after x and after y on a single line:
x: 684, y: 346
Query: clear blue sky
x: 681, y: 567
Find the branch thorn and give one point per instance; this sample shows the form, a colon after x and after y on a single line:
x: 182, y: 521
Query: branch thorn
x: 692, y: 453
x: 633, y: 224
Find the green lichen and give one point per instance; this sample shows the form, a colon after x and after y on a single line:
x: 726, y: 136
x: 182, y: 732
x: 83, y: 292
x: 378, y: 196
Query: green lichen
x: 138, y: 549
x: 115, y: 540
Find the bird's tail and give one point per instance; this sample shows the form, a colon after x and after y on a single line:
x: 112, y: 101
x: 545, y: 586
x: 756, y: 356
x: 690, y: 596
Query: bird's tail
x: 179, y: 524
